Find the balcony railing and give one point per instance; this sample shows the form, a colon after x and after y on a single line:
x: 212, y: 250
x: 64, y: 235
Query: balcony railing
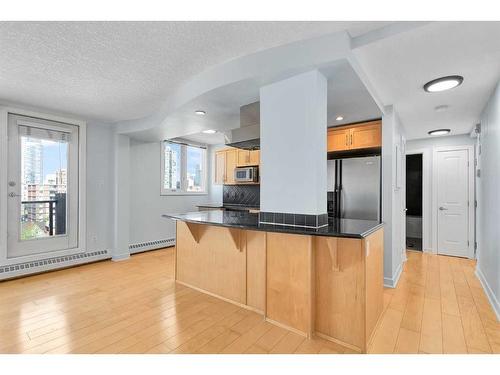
x: 50, y: 213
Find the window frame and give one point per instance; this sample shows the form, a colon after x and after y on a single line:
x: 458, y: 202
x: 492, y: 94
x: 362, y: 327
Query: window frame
x: 183, y: 161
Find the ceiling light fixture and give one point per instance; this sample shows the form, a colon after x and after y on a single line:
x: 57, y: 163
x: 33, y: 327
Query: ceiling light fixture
x: 439, y: 132
x: 200, y: 112
x: 339, y: 118
x: 209, y: 131
x: 443, y: 83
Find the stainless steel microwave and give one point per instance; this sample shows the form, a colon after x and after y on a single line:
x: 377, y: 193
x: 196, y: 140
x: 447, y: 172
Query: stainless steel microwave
x: 246, y: 174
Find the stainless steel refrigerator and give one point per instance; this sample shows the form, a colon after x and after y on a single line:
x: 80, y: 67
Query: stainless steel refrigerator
x: 355, y: 185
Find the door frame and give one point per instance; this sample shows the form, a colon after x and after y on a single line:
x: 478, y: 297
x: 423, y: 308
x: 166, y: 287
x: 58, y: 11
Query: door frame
x: 470, y: 175
x: 82, y: 173
x: 426, y: 218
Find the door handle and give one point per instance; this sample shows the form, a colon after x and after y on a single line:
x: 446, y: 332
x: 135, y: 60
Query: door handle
x: 13, y: 195
x: 442, y: 208
x: 405, y: 209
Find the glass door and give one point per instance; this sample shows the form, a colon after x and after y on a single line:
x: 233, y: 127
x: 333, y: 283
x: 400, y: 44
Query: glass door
x: 42, y: 208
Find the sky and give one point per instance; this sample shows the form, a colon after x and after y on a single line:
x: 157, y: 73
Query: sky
x: 54, y: 157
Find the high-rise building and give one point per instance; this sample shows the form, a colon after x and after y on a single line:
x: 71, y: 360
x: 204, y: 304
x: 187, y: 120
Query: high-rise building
x: 171, y: 168
x: 31, y: 160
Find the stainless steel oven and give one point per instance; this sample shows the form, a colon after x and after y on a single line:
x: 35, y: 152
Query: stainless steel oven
x: 246, y: 174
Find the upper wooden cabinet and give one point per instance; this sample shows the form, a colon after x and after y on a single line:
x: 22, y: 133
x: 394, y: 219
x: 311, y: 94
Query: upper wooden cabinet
x: 355, y: 137
x: 231, y: 162
x: 220, y: 167
x: 248, y: 158
x: 228, y: 159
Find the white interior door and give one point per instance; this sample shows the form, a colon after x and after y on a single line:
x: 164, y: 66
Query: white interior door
x: 452, y: 203
x: 42, y: 208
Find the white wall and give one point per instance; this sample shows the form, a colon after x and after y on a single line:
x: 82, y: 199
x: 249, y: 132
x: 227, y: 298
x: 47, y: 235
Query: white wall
x: 488, y: 233
x: 392, y: 197
x: 100, y: 193
x: 294, y: 165
x: 146, y: 203
x: 427, y: 146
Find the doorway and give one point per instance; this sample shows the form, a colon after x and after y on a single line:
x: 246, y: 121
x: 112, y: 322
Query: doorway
x: 414, y: 201
x: 43, y: 174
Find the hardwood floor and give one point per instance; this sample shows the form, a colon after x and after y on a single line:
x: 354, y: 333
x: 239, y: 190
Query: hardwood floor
x: 135, y: 307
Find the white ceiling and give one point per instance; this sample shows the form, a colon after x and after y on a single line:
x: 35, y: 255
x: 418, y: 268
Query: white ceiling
x: 347, y: 96
x: 400, y: 65
x: 113, y: 71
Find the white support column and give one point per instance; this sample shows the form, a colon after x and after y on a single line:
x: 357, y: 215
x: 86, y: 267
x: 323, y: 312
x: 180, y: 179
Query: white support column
x: 122, y: 198
x: 293, y: 116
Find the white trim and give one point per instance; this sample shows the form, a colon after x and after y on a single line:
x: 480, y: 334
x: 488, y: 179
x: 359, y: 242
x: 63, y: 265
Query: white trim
x: 82, y: 185
x: 392, y: 282
x: 471, y: 182
x: 426, y: 217
x: 495, y: 304
x: 120, y: 257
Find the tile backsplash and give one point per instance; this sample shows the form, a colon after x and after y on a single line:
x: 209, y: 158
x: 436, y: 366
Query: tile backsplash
x: 247, y: 195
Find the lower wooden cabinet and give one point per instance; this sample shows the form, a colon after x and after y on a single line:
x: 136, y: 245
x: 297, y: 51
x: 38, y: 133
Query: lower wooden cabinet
x: 312, y: 285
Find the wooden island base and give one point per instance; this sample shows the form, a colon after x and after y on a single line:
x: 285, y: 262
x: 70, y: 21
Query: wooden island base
x: 331, y: 287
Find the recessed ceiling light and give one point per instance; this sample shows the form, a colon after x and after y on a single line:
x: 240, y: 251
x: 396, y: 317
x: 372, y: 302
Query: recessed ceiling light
x: 200, y: 112
x: 441, y: 108
x: 339, y: 118
x: 209, y: 131
x: 443, y: 83
x: 439, y: 132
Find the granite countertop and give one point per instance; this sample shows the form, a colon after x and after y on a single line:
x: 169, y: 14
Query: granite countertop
x: 229, y: 205
x: 350, y: 228
x: 210, y: 205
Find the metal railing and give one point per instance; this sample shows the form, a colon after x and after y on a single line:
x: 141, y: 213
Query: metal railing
x: 56, y: 214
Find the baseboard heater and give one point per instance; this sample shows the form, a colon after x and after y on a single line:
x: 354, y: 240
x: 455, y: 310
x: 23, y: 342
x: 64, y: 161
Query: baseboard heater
x: 151, y: 245
x: 25, y: 268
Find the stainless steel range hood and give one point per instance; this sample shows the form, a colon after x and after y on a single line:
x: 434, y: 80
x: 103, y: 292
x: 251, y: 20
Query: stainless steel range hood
x: 247, y: 136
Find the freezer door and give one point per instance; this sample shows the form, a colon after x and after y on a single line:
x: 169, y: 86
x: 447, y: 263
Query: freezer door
x: 360, y: 194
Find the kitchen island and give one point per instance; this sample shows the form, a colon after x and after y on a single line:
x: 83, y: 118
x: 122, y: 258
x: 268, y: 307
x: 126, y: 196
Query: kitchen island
x: 326, y: 282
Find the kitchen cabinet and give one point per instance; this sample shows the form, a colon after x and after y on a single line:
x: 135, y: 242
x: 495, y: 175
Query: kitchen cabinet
x: 220, y: 167
x: 231, y: 162
x: 366, y: 136
x: 248, y: 158
x: 338, y: 140
x: 355, y: 137
x: 225, y: 162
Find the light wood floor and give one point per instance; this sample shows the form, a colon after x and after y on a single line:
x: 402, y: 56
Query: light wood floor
x: 135, y: 307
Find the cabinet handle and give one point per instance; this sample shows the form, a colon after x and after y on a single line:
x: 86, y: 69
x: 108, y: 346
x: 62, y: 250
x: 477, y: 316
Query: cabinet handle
x: 346, y: 140
x: 351, y: 140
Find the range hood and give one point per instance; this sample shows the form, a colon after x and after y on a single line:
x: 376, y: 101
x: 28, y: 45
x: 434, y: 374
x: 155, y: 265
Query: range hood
x: 247, y: 136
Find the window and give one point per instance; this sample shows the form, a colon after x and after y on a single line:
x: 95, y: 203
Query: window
x: 183, y: 169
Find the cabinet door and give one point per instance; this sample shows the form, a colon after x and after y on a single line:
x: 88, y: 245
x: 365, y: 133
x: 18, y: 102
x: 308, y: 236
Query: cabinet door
x: 338, y: 140
x: 366, y: 136
x: 231, y: 161
x: 254, y: 157
x: 220, y: 167
x: 243, y: 158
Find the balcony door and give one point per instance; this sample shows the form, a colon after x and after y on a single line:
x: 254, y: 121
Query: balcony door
x: 42, y: 209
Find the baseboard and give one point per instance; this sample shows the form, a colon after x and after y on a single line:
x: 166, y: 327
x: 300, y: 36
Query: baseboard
x: 489, y: 293
x: 392, y: 282
x: 51, y: 264
x: 151, y: 245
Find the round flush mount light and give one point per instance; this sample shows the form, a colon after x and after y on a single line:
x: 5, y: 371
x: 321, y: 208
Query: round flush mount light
x: 209, y: 131
x: 199, y: 112
x: 439, y: 132
x: 443, y: 83
x: 339, y: 118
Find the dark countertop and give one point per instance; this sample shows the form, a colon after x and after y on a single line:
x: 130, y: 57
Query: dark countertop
x: 227, y: 205
x: 350, y: 228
